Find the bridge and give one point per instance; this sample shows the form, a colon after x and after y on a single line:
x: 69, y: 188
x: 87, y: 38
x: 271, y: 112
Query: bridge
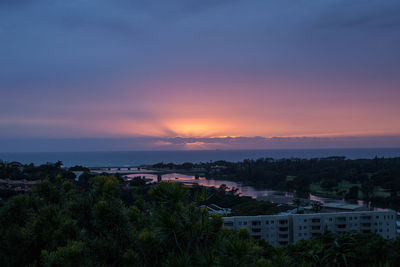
x: 136, y: 170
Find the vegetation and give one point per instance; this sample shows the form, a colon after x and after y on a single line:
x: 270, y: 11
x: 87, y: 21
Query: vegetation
x: 18, y: 171
x: 58, y: 223
x: 373, y: 180
x: 104, y: 221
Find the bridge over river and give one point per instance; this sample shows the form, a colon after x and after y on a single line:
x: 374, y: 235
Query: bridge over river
x: 137, y: 170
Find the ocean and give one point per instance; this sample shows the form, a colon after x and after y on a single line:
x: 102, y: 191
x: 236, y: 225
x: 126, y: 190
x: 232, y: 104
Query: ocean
x: 136, y: 158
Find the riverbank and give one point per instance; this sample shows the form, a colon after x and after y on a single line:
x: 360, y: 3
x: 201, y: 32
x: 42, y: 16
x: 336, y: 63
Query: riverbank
x: 279, y: 194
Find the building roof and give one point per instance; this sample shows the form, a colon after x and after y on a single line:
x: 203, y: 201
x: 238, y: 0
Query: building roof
x: 342, y: 206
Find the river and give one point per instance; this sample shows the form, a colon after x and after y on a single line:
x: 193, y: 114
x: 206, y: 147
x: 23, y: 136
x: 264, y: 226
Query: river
x: 244, y: 190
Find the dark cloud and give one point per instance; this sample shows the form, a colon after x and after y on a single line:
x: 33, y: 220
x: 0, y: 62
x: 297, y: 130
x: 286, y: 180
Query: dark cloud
x: 15, y: 3
x: 362, y: 14
x: 111, y: 26
x: 195, y: 6
x: 78, y: 39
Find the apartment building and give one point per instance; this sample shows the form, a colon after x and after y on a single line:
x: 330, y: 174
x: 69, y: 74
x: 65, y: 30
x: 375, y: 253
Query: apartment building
x: 282, y: 229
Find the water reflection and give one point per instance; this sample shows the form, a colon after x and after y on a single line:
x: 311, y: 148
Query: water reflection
x: 245, y: 190
x: 120, y: 170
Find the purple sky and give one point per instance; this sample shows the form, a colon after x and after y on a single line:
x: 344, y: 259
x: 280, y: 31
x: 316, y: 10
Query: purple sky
x: 189, y: 74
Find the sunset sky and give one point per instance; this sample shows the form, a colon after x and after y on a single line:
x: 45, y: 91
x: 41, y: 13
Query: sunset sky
x: 199, y: 74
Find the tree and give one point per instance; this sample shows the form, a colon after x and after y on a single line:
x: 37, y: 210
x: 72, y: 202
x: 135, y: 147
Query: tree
x: 316, y: 206
x: 367, y: 188
x: 353, y: 193
x: 297, y: 202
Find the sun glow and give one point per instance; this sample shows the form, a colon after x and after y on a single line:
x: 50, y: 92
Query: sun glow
x: 196, y: 129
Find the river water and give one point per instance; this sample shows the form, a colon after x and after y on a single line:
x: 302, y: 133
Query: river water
x: 243, y: 190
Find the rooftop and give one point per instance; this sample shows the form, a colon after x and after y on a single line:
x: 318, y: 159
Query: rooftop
x: 342, y: 206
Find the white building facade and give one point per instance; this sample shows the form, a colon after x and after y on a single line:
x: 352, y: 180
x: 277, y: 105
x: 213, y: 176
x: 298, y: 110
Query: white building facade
x: 283, y: 229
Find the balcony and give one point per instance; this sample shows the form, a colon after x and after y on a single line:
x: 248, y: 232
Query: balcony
x: 316, y: 221
x: 365, y: 225
x: 365, y: 218
x: 316, y: 228
x: 340, y: 226
x: 283, y: 236
x: 340, y: 219
x: 283, y: 222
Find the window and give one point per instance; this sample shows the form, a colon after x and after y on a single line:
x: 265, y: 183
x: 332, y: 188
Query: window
x: 305, y: 220
x: 266, y: 222
x: 300, y: 227
x: 330, y: 219
x: 315, y: 220
x: 244, y: 223
x: 283, y: 221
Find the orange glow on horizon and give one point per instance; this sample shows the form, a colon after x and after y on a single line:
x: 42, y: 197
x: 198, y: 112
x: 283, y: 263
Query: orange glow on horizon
x: 238, y: 107
x: 196, y: 128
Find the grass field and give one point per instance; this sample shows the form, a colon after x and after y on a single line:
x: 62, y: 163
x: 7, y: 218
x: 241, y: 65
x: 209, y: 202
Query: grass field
x: 343, y: 188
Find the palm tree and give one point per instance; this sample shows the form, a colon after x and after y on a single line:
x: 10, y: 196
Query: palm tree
x: 316, y: 207
x: 297, y: 202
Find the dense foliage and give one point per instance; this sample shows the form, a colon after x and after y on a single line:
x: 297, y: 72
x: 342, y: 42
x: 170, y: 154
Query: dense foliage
x: 18, y: 171
x: 58, y: 223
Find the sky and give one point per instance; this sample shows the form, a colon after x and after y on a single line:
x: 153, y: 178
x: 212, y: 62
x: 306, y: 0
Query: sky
x: 198, y: 74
